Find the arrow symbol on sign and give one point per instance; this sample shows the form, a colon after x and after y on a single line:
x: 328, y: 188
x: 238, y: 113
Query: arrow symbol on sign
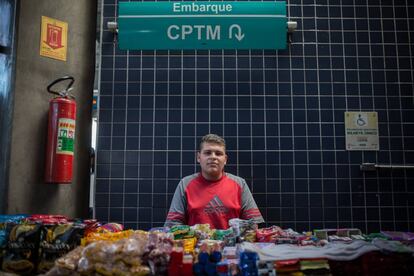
x: 239, y: 35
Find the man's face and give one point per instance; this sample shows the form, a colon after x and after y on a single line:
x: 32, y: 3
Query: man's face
x: 212, y: 158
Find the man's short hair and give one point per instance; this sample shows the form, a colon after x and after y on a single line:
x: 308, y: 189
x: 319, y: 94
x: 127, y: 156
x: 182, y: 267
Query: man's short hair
x: 213, y: 139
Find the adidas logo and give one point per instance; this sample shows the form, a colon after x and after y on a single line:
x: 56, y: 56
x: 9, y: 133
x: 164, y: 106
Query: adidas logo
x: 215, y: 206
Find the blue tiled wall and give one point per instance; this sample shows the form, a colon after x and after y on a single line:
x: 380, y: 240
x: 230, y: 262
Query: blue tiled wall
x: 281, y: 112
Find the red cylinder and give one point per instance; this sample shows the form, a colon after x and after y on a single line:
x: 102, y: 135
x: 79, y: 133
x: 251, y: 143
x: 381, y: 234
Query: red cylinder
x: 60, y: 140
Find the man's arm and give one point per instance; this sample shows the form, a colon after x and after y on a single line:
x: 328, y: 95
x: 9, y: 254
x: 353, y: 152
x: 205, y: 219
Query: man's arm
x: 178, y: 208
x: 249, y: 208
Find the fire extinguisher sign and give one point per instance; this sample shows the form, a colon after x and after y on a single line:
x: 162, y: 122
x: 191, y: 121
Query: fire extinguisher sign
x: 65, y: 136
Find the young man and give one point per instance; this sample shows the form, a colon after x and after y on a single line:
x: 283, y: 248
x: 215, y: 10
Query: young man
x: 212, y: 196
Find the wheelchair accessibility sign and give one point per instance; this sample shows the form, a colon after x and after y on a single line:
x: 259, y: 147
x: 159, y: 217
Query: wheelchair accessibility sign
x: 361, y: 130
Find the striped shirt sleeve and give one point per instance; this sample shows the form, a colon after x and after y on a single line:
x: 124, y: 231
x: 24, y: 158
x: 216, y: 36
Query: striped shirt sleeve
x: 176, y: 214
x: 249, y: 208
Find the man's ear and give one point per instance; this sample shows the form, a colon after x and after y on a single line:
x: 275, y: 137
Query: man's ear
x: 198, y: 157
x: 225, y: 161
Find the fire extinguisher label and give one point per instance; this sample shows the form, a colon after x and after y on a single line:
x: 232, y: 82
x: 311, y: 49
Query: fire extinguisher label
x: 66, y: 136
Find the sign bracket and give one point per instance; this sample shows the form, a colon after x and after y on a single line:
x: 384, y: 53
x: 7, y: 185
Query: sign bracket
x: 113, y: 28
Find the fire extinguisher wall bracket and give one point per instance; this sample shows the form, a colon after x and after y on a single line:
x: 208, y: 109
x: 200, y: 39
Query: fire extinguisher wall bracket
x: 61, y: 134
x: 65, y: 92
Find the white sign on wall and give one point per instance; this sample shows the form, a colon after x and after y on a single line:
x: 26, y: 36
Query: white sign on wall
x: 361, y: 130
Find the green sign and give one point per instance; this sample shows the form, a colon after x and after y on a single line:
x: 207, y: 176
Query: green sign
x: 202, y: 25
x: 65, y: 136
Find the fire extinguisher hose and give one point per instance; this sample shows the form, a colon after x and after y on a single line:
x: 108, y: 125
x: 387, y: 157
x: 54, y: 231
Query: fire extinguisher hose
x: 64, y: 92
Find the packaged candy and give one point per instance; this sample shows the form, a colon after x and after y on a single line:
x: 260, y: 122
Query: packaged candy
x: 222, y: 268
x: 249, y: 263
x: 398, y: 236
x: 215, y: 256
x: 157, y: 252
x: 90, y: 226
x: 176, y: 261
x: 230, y: 253
x: 314, y: 265
x: 241, y: 227
x: 182, y: 232
x: 221, y: 234
x: 111, y: 227
x: 203, y: 257
x: 203, y: 231
x: 12, y: 219
x: 210, y: 269
x: 188, y: 244
x: 160, y: 229
x: 249, y: 236
x: 93, y: 226
x: 234, y: 269
x: 227, y: 236
x: 180, y: 263
x: 266, y: 268
x: 198, y: 269
x: 187, y: 268
x: 47, y: 219
x: 287, y: 266
x: 207, y: 260
x: 105, y: 236
x: 210, y: 246
x: 268, y: 234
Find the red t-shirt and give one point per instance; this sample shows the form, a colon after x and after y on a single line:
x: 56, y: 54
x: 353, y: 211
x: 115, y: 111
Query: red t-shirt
x: 198, y: 201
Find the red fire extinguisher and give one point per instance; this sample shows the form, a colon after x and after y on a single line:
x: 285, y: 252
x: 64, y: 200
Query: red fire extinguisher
x: 61, y: 134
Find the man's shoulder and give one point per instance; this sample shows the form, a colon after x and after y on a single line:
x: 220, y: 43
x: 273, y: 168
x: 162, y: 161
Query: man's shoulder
x: 187, y: 179
x: 239, y: 180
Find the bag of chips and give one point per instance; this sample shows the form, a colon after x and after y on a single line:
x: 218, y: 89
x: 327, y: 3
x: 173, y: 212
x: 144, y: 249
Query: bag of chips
x: 56, y: 241
x: 4, y: 220
x: 22, y: 248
